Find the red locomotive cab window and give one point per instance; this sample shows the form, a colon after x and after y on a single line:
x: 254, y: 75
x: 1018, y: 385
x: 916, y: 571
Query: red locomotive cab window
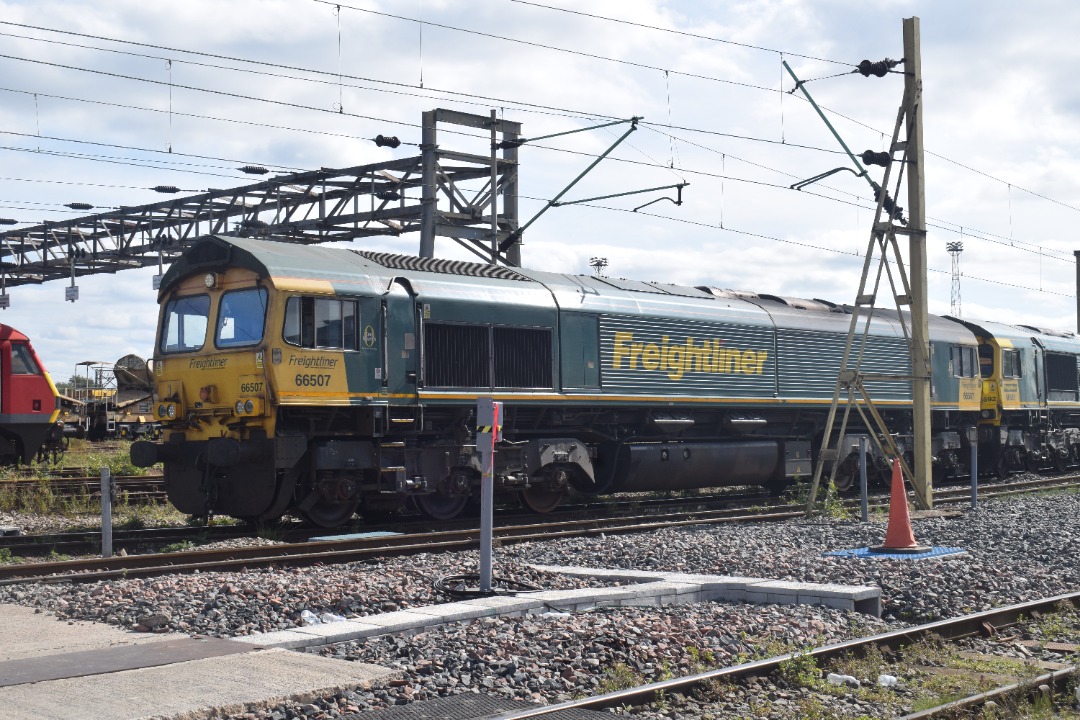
x: 22, y: 362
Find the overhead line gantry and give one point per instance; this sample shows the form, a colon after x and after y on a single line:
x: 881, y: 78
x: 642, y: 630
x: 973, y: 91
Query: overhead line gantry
x: 331, y: 204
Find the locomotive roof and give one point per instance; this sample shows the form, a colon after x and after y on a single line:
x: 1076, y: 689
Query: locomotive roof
x: 9, y: 333
x: 354, y: 270
x: 1024, y: 335
x: 343, y: 268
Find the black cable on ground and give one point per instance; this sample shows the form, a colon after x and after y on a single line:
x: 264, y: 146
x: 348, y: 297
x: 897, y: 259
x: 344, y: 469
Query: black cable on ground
x: 467, y: 587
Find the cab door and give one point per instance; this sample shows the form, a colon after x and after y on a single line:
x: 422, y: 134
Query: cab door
x: 401, y: 345
x: 1040, y: 371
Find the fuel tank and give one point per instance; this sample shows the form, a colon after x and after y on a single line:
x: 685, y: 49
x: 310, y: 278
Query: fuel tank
x: 644, y: 467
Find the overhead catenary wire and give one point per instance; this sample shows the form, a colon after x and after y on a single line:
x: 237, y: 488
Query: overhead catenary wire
x: 788, y: 241
x: 979, y: 234
x: 502, y: 100
x: 686, y: 130
x: 484, y: 99
x: 151, y: 150
x: 473, y: 98
x: 723, y: 176
x: 318, y: 109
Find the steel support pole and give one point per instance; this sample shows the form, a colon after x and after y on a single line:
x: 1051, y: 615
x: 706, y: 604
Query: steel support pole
x: 922, y: 480
x: 975, y: 471
x: 510, y: 196
x: 1076, y: 254
x: 106, y: 512
x: 494, y: 192
x: 429, y: 194
x: 865, y: 504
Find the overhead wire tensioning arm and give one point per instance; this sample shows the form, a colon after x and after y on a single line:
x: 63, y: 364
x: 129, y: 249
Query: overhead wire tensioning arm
x: 893, y: 210
x: 516, y: 235
x: 678, y: 187
x: 799, y: 85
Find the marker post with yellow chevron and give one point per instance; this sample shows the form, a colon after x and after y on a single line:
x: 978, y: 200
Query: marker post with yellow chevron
x: 488, y: 432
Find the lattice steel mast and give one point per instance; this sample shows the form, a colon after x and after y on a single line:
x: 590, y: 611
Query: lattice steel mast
x: 955, y: 248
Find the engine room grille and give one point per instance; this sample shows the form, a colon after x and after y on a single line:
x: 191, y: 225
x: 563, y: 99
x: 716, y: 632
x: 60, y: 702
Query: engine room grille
x: 456, y: 356
x: 461, y: 356
x: 522, y: 357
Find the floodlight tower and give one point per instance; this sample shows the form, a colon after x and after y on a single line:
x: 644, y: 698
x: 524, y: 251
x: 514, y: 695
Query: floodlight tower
x: 598, y: 264
x: 955, y: 248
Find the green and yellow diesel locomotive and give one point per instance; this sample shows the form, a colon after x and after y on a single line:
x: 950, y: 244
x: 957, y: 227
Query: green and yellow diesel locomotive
x: 322, y: 380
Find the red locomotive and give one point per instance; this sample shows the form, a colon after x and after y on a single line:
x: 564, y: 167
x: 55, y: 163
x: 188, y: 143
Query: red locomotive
x: 29, y: 402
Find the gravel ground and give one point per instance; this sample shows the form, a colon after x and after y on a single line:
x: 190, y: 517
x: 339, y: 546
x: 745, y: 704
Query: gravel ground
x: 1020, y: 549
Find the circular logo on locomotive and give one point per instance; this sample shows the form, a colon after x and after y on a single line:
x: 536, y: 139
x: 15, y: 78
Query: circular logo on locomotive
x: 369, y: 337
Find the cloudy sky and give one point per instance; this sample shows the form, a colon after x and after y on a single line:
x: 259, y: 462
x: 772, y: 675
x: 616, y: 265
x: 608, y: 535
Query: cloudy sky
x: 94, y: 94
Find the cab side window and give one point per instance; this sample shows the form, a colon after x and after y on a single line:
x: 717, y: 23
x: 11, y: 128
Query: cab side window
x: 328, y: 323
x: 964, y: 361
x: 1010, y: 364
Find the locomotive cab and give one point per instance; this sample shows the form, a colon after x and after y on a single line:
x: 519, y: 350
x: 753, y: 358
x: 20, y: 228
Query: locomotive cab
x: 29, y: 402
x: 245, y: 348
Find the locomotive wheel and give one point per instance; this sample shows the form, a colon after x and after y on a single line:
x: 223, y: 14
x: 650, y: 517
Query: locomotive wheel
x: 442, y: 507
x: 328, y: 514
x: 541, y: 499
x: 847, y: 474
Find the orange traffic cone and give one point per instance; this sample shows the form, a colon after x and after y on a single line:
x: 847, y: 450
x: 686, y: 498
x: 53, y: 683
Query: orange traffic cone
x: 899, y: 537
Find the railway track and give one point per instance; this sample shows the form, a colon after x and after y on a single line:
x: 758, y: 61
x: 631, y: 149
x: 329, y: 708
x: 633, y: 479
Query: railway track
x: 996, y: 627
x: 357, y: 549
x: 152, y: 539
x: 78, y: 483
x: 379, y: 545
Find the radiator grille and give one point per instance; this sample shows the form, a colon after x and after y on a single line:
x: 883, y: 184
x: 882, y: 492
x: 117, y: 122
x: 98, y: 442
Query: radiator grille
x: 522, y: 357
x: 456, y: 355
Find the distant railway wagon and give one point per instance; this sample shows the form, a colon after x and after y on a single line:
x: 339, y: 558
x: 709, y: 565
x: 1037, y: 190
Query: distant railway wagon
x: 319, y: 380
x: 114, y: 400
x: 29, y: 402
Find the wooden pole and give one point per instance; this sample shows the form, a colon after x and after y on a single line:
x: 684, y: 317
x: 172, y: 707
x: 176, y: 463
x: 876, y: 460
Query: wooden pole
x: 922, y: 479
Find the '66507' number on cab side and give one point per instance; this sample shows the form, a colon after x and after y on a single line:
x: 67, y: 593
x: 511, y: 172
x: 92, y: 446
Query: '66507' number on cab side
x: 305, y: 380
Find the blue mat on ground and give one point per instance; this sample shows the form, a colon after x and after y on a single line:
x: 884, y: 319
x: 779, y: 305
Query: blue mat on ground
x: 866, y: 552
x: 354, y: 536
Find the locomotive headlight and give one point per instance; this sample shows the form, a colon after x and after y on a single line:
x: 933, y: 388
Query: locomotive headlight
x: 172, y: 412
x: 249, y: 407
x: 240, y: 407
x: 210, y: 280
x: 162, y: 411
